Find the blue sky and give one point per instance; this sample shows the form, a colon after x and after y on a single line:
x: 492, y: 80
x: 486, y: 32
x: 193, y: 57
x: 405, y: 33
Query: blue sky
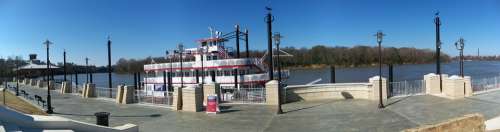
x: 141, y: 28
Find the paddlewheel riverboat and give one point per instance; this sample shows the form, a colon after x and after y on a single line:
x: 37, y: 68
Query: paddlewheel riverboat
x: 241, y: 79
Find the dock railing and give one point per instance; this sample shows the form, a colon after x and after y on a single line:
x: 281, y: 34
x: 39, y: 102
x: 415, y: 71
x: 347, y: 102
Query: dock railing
x: 406, y: 88
x: 482, y: 85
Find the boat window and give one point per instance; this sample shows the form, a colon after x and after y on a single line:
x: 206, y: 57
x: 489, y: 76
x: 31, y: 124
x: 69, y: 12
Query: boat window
x: 214, y: 57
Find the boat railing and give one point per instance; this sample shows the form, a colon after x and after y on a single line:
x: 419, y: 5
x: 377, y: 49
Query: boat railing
x: 212, y: 63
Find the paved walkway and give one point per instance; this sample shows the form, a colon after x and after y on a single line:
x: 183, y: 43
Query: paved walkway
x: 328, y: 115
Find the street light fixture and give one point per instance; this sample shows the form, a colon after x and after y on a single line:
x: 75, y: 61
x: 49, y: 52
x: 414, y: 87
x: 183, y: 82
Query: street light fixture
x: 380, y: 36
x: 47, y: 43
x: 460, y: 46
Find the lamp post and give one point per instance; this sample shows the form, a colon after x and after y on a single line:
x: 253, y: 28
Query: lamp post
x: 181, y: 49
x: 17, y: 76
x: 380, y: 36
x: 460, y: 46
x: 169, y: 71
x: 202, y: 51
x: 49, y: 102
x: 277, y: 41
x: 64, y: 64
x: 170, y: 83
x: 269, y: 20
x: 87, y: 69
x: 437, y: 22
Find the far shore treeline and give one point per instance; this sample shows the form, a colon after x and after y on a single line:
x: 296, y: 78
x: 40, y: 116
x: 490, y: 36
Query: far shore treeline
x: 320, y: 56
x: 315, y: 57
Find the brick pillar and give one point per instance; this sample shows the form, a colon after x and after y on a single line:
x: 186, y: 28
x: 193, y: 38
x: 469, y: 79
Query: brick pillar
x: 374, y: 91
x: 272, y: 92
x: 128, y: 95
x: 66, y: 87
x: 52, y: 85
x: 177, y: 98
x: 84, y: 90
x: 210, y: 89
x: 32, y: 82
x: 119, y: 94
x: 89, y: 90
x: 453, y: 87
x: 432, y: 83
x: 192, y: 99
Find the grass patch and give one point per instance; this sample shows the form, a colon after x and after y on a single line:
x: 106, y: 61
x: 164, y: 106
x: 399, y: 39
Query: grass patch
x: 14, y: 102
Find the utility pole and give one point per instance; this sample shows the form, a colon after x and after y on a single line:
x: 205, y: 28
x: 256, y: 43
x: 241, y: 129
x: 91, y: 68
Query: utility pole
x: 380, y: 36
x: 87, y: 69
x: 437, y: 22
x: 110, y: 82
x: 49, y: 102
x: 269, y: 20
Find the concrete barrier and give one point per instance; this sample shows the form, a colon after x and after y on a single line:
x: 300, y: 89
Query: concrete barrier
x: 466, y: 123
x: 368, y: 90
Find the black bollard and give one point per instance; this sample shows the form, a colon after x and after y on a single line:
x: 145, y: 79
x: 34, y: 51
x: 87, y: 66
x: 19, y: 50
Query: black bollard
x: 332, y: 74
x: 102, y: 118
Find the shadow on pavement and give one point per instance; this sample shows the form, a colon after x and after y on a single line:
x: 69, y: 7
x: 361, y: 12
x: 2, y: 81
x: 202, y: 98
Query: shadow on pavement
x: 151, y: 115
x: 305, y: 108
x: 398, y: 100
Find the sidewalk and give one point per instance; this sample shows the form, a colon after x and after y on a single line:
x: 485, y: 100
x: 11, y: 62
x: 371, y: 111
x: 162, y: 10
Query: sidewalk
x: 328, y: 115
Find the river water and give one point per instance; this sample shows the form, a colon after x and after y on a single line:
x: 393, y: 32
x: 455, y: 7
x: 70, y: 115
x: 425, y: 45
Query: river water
x: 475, y: 69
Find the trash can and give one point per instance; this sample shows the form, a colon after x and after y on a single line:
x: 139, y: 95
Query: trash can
x: 212, y: 106
x: 102, y: 118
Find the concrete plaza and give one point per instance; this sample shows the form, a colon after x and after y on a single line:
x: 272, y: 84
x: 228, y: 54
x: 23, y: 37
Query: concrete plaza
x: 320, y: 116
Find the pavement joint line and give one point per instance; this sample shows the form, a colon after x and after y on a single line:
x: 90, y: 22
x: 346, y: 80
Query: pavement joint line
x: 405, y: 117
x: 480, y: 100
